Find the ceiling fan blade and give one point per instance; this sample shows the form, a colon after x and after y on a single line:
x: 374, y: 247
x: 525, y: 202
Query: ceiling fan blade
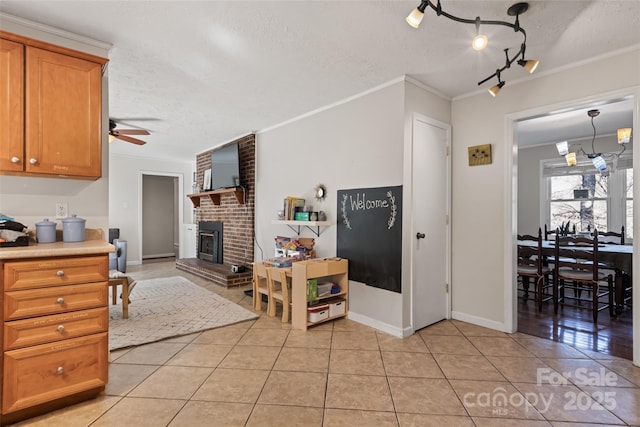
x: 131, y: 140
x: 131, y: 132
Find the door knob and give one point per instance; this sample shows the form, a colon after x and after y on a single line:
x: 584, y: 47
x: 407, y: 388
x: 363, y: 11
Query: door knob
x: 420, y: 236
x: 15, y: 159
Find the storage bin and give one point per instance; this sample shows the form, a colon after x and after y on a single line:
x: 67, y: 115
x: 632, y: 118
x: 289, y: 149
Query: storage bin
x: 337, y: 308
x: 324, y: 289
x: 318, y: 313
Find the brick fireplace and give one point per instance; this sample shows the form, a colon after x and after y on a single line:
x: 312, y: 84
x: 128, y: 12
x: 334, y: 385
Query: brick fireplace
x: 237, y: 222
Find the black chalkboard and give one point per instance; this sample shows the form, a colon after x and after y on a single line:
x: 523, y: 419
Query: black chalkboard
x: 370, y: 235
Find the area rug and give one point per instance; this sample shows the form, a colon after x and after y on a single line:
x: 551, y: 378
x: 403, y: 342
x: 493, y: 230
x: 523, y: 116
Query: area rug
x: 170, y: 307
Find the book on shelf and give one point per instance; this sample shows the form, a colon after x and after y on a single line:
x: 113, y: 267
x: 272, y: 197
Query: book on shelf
x: 290, y: 206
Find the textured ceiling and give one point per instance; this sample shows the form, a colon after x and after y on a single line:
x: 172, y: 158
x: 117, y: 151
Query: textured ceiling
x: 198, y: 74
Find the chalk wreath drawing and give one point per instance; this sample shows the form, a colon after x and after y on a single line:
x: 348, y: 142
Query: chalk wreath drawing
x: 392, y: 206
x: 394, y: 210
x: 345, y: 218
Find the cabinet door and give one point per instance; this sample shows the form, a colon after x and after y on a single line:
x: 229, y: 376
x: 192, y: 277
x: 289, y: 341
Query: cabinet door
x: 11, y: 106
x: 47, y: 372
x: 63, y: 121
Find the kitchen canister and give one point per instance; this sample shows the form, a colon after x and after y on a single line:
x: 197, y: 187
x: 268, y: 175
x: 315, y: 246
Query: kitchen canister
x: 73, y: 229
x: 46, y: 231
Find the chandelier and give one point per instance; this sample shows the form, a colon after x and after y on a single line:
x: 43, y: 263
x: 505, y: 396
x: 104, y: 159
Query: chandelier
x: 599, y: 159
x: 480, y: 41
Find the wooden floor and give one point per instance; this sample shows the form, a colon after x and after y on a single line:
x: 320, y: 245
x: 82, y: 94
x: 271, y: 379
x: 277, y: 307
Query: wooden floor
x: 575, y: 327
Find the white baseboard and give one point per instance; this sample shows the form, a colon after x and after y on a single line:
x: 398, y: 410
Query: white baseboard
x: 480, y: 321
x: 169, y: 254
x: 381, y: 326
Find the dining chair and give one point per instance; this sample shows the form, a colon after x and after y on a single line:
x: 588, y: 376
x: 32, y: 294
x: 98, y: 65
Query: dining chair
x: 260, y: 285
x: 576, y: 266
x: 279, y: 292
x: 531, y: 265
x: 611, y: 237
x: 548, y: 232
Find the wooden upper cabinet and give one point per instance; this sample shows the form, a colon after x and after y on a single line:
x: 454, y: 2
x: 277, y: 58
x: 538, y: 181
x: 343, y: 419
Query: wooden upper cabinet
x: 63, y: 114
x: 51, y: 115
x: 11, y: 106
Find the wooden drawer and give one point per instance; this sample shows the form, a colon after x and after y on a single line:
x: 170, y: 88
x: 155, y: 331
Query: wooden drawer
x: 61, y: 299
x: 58, y: 327
x: 324, y: 268
x: 55, y: 272
x: 43, y: 373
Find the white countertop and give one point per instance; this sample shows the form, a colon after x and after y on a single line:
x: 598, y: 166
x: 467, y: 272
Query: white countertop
x: 38, y: 250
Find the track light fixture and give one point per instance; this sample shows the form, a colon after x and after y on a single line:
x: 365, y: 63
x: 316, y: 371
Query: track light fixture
x: 598, y: 159
x: 480, y: 41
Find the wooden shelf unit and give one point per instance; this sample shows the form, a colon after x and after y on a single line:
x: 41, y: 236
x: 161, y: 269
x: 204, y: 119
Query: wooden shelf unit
x: 214, y: 195
x: 335, y: 270
x: 299, y: 224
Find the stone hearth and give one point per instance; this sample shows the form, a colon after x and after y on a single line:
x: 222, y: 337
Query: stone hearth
x: 220, y: 274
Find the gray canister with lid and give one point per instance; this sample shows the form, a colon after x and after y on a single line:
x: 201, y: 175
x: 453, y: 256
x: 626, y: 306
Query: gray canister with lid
x: 73, y: 229
x: 46, y: 231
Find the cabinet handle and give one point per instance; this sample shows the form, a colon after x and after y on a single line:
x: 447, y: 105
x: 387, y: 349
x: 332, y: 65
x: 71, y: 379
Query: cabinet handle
x: 60, y: 273
x: 60, y: 370
x: 15, y: 159
x: 60, y: 300
x: 60, y: 328
x: 33, y: 161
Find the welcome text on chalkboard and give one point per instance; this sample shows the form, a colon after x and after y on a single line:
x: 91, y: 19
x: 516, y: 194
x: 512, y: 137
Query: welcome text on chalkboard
x: 370, y: 235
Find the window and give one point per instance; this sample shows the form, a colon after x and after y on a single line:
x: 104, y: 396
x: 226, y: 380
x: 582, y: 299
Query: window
x: 585, y: 213
x: 602, y: 202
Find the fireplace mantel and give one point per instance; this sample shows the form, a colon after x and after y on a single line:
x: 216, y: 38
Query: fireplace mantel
x: 214, y: 195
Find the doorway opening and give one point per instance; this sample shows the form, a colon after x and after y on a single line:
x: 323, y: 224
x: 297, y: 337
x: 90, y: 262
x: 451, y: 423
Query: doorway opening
x: 160, y: 216
x: 536, y: 206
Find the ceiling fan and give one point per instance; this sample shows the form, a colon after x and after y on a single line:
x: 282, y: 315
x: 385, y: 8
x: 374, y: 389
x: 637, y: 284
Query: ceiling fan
x: 122, y: 134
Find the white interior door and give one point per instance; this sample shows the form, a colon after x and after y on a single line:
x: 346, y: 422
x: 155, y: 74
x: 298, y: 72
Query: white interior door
x: 430, y: 226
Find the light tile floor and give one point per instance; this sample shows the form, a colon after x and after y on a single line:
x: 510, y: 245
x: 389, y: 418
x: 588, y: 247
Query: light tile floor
x: 341, y: 373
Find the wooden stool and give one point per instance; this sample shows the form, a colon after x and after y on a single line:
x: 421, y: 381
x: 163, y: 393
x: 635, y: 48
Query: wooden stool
x: 113, y: 283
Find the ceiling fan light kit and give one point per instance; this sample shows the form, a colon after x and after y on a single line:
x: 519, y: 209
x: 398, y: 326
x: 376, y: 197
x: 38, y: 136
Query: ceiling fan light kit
x: 480, y: 41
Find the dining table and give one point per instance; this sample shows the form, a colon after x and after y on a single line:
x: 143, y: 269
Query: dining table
x: 620, y: 257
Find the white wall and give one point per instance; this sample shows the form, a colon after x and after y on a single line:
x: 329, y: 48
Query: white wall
x: 125, y: 191
x: 360, y: 143
x: 480, y: 193
x: 30, y: 199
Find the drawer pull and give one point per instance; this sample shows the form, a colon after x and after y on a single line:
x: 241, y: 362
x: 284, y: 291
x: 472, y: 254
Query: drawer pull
x: 60, y: 328
x: 60, y: 273
x: 60, y: 370
x: 60, y: 300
